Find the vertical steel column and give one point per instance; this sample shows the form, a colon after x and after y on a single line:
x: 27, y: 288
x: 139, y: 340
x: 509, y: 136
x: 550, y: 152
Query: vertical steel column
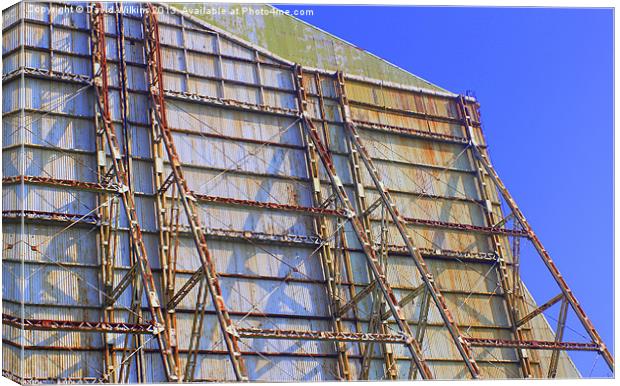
x: 321, y: 228
x: 344, y: 246
x: 22, y: 188
x: 559, y: 334
x: 106, y: 250
x: 196, y: 332
x: 377, y: 322
x: 496, y: 242
x: 544, y: 255
x: 127, y: 144
x: 100, y: 82
x: 423, y: 316
x: 166, y: 209
x: 427, y: 277
x: 156, y: 94
x: 348, y: 272
x: 516, y: 275
x: 520, y: 303
x: 369, y: 252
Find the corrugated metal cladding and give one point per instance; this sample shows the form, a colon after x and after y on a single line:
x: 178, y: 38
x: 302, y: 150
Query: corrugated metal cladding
x: 55, y: 270
x: 297, y: 41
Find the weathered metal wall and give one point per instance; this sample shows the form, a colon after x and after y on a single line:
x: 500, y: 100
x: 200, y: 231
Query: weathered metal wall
x: 435, y: 180
x: 233, y: 113
x: 48, y: 131
x: 297, y: 41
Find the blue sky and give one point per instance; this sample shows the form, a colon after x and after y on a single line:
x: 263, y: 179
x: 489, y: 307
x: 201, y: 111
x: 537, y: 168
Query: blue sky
x: 544, y: 78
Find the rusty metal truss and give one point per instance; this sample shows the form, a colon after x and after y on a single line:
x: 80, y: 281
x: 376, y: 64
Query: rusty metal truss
x: 118, y: 171
x: 487, y: 172
x: 357, y: 334
x: 162, y: 139
x: 319, y: 151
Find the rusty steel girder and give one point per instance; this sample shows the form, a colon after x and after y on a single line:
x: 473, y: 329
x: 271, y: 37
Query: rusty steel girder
x: 100, y: 83
x: 542, y: 252
x: 410, y: 132
x: 79, y: 326
x: 388, y: 202
x: 52, y: 216
x: 159, y: 121
x: 466, y: 227
x: 331, y: 336
x: 533, y: 344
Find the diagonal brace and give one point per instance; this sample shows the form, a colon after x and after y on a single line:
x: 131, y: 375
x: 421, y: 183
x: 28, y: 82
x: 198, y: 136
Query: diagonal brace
x: 540, y: 310
x: 411, y: 296
x: 357, y: 298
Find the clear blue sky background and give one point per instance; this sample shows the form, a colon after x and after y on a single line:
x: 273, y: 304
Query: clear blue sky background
x: 544, y: 78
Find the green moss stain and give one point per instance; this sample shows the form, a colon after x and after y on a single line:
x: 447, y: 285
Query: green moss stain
x: 299, y: 42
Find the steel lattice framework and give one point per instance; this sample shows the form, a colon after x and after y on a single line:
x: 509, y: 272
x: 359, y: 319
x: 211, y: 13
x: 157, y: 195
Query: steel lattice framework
x: 334, y: 208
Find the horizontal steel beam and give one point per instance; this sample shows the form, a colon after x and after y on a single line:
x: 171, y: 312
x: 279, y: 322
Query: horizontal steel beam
x: 234, y: 103
x: 398, y: 111
x: 268, y: 205
x: 268, y: 315
x: 331, y: 336
x: 481, y: 257
x: 101, y: 188
x: 51, y: 216
x: 370, y: 188
x: 411, y: 132
x: 287, y: 279
x: 466, y: 227
x: 90, y: 186
x: 211, y: 100
x: 32, y: 48
x: 46, y: 74
x: 211, y: 232
x: 248, y: 352
x: 230, y: 103
x: 533, y: 344
x: 285, y: 207
x: 49, y: 380
x: 238, y: 139
x: 78, y: 326
x: 261, y: 237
